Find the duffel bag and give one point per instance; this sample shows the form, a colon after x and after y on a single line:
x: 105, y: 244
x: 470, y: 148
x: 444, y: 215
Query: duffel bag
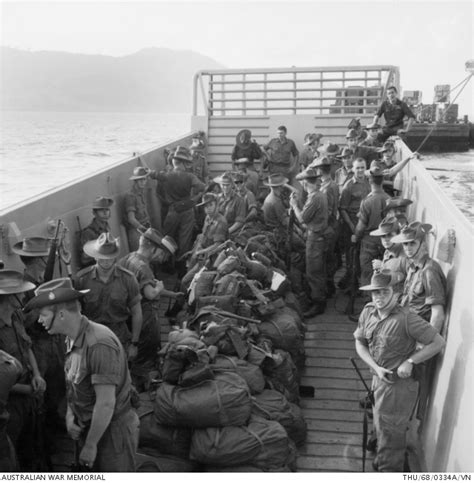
x: 228, y: 265
x: 281, y: 374
x: 252, y: 374
x: 275, y: 406
x: 229, y: 284
x: 224, y: 302
x: 262, y: 443
x: 151, y: 461
x: 223, y: 401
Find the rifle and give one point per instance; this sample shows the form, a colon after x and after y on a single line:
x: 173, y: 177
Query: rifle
x: 49, y: 270
x: 354, y: 286
x: 365, y: 422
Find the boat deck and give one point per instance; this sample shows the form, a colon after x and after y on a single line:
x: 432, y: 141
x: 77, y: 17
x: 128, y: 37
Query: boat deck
x: 333, y: 415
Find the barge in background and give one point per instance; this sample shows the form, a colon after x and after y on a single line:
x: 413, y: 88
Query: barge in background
x: 303, y: 99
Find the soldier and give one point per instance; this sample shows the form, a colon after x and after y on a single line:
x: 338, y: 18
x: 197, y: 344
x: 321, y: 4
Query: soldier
x: 282, y: 155
x: 252, y: 181
x: 247, y: 195
x: 198, y: 155
x: 369, y: 216
x: 26, y: 395
x: 330, y: 151
x: 153, y: 247
x: 314, y: 215
x: 183, y: 189
x: 98, y: 225
x: 275, y: 211
x: 215, y: 230
x: 114, y: 295
x: 245, y: 147
x: 136, y: 211
x: 230, y: 204
x: 354, y: 191
x: 397, y: 207
x: 310, y: 152
x: 372, y: 139
x: 385, y: 340
x: 345, y: 171
x: 394, y: 111
x: 99, y: 412
x: 367, y: 153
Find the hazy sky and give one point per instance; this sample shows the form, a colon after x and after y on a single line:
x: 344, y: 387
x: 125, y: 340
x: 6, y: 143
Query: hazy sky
x: 429, y: 40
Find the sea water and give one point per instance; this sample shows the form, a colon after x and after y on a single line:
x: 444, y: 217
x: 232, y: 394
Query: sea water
x: 40, y: 150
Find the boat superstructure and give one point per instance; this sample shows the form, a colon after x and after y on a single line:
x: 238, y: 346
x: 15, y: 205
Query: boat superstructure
x: 305, y: 100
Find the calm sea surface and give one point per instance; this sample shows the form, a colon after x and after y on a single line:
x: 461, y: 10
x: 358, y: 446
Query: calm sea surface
x: 40, y: 150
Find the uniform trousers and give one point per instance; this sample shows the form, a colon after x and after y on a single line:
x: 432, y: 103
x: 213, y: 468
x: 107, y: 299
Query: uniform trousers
x: 394, y: 406
x: 370, y: 248
x: 316, y: 265
x: 180, y: 226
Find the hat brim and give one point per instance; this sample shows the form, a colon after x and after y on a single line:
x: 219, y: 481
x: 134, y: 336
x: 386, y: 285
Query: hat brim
x: 134, y: 178
x: 19, y: 251
x: 203, y: 203
x: 379, y: 232
x: 404, y: 239
x: 302, y: 176
x: 280, y: 183
x: 109, y: 204
x: 44, y: 300
x: 89, y: 249
x: 376, y: 287
x: 23, y: 287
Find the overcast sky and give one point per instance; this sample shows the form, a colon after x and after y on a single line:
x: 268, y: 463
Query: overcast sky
x: 429, y: 40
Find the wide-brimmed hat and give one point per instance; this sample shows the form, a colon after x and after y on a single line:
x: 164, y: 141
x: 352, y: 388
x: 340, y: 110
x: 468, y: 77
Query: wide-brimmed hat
x: 388, y: 225
x: 57, y: 291
x: 397, y: 202
x: 345, y: 152
x: 383, y: 279
x: 413, y: 231
x: 386, y: 146
x: 276, y: 179
x: 102, y: 203
x: 139, y: 172
x: 12, y: 282
x: 158, y: 239
x: 242, y: 161
x: 225, y: 178
x: 106, y: 247
x: 329, y: 149
x: 248, y: 136
x: 35, y: 246
x: 312, y: 138
x: 308, y: 173
x: 373, y: 125
x: 182, y: 154
x: 208, y: 198
x: 352, y: 133
x: 319, y: 162
x: 375, y: 169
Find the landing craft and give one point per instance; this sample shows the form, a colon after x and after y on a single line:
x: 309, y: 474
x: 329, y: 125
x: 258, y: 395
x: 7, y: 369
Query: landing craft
x: 318, y: 99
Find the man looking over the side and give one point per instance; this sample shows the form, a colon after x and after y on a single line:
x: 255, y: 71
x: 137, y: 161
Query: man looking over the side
x: 282, y: 155
x: 99, y: 412
x: 394, y: 112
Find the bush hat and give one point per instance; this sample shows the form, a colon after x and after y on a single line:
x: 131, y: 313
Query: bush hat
x: 276, y: 179
x: 318, y: 162
x: 106, y: 247
x: 247, y: 136
x: 102, y: 203
x: 413, y: 231
x: 352, y: 133
x: 312, y: 138
x: 207, y: 198
x: 182, y: 154
x: 35, y: 246
x: 388, y: 225
x: 139, y: 172
x: 386, y: 146
x: 225, y: 178
x: 383, y: 279
x: 161, y: 241
x: 57, y: 291
x: 373, y: 125
x: 397, y: 202
x: 308, y: 173
x: 346, y: 153
x: 12, y: 282
x: 329, y: 149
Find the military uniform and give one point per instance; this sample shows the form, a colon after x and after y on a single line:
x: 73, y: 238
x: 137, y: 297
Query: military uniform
x: 92, y: 232
x: 232, y: 208
x: 135, y: 201
x: 110, y: 303
x: 215, y: 230
x: 366, y: 152
x: 280, y: 159
x: 330, y: 189
x: 97, y: 357
x: 391, y: 341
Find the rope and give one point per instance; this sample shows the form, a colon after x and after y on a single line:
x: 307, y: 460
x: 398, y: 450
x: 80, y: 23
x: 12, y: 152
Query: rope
x: 465, y: 81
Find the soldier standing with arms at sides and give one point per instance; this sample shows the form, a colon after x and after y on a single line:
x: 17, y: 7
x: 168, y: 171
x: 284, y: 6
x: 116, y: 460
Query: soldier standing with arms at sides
x: 114, y: 296
x: 230, y: 204
x: 386, y: 339
x: 98, y: 225
x: 314, y: 215
x: 99, y: 412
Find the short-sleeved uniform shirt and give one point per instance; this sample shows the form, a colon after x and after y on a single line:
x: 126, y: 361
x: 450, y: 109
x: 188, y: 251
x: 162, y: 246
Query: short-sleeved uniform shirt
x: 249, y: 199
x: 392, y: 340
x: 315, y: 212
x: 135, y: 201
x: 425, y: 285
x: 330, y: 189
x: 341, y: 176
x: 95, y: 357
x: 366, y: 152
x: 178, y: 185
x: 307, y: 156
x: 280, y: 159
x: 394, y: 259
x: 251, y: 151
x: 233, y: 208
x: 371, y: 210
x: 109, y: 303
x: 394, y: 113
x: 353, y: 193
x: 275, y: 213
x: 252, y: 181
x: 214, y: 230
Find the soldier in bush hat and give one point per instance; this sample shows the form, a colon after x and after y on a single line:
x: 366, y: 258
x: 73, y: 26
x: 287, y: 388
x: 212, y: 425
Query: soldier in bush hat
x: 230, y: 204
x: 245, y: 147
x: 153, y: 247
x: 275, y: 211
x: 99, y: 224
x: 386, y: 340
x: 247, y: 195
x: 397, y: 207
x: 310, y: 151
x: 25, y: 397
x: 198, y: 155
x: 114, y: 297
x: 135, y: 206
x: 372, y: 139
x: 367, y: 153
x: 252, y: 179
x: 99, y: 412
x: 314, y: 215
x: 345, y: 171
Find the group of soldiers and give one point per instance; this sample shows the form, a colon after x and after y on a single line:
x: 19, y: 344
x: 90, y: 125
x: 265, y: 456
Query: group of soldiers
x: 323, y: 206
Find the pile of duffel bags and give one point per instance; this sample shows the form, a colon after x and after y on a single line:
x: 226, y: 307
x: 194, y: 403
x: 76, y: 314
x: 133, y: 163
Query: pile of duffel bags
x: 228, y: 395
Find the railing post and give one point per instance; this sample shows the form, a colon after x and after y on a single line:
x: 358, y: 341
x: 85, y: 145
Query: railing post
x: 294, y: 92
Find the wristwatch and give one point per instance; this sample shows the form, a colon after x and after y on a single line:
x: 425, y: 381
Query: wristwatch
x: 410, y: 360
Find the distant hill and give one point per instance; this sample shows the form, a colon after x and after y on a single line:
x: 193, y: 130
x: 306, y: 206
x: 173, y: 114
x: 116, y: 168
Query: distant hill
x: 151, y: 80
